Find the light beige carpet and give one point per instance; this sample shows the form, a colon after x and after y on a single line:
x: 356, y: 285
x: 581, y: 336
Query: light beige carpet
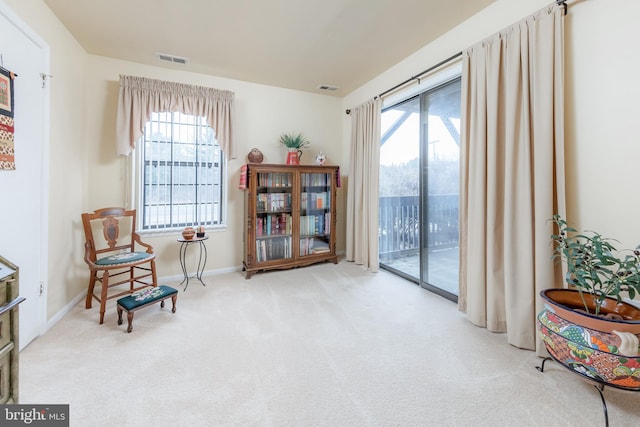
x: 324, y: 345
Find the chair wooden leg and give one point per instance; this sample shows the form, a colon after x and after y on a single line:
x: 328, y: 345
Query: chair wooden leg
x: 92, y: 285
x: 154, y: 277
x: 174, y: 298
x: 103, y: 295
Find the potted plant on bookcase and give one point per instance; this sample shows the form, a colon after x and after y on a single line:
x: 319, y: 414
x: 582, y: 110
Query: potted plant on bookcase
x: 588, y: 327
x: 294, y: 142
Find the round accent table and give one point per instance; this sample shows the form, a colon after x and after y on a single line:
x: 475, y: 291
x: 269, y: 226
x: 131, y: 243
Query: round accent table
x: 202, y: 259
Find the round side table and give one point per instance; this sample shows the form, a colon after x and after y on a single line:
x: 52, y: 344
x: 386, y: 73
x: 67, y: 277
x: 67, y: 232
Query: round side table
x: 202, y: 259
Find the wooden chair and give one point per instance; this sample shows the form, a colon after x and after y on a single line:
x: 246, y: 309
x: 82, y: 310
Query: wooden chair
x: 110, y: 252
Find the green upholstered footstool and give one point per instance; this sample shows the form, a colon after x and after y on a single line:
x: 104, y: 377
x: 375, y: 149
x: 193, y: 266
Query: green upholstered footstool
x: 145, y: 298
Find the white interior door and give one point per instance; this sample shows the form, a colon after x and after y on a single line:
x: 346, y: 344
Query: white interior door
x: 23, y: 192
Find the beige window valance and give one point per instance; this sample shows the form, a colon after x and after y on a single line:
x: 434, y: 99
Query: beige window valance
x: 139, y: 97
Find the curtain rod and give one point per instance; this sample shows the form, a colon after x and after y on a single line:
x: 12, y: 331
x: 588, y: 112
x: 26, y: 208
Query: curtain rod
x: 417, y: 76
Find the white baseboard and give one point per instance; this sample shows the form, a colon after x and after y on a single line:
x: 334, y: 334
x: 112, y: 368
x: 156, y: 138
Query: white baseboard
x: 67, y: 308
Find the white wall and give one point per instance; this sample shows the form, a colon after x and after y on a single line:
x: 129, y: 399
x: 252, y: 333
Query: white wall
x: 602, y: 89
x: 603, y: 142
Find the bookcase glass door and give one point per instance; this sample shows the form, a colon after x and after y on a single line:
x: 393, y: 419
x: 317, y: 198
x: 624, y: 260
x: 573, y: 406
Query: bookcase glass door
x: 273, y: 216
x: 315, y: 213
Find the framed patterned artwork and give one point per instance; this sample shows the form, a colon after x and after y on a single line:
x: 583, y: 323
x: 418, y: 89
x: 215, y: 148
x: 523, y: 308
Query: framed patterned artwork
x: 7, y: 152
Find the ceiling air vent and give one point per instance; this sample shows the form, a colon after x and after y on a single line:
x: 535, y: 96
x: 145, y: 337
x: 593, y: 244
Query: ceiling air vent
x: 327, y: 87
x: 172, y: 58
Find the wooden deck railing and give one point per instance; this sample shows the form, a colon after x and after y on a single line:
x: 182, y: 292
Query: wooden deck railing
x: 399, y: 233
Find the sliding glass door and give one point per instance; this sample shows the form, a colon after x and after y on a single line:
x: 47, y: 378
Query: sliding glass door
x: 399, y: 241
x: 419, y: 188
x: 440, y: 159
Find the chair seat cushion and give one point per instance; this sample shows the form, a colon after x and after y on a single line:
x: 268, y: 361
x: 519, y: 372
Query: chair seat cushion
x: 146, y: 296
x: 123, y: 258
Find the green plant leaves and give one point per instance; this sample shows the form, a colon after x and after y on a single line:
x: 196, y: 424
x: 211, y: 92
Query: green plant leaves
x: 594, y: 265
x: 293, y: 140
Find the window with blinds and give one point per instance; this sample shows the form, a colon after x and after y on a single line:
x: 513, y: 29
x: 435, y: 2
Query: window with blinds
x: 180, y: 174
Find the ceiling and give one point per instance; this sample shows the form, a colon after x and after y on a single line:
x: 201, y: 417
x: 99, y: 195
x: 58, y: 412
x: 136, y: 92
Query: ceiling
x: 296, y: 44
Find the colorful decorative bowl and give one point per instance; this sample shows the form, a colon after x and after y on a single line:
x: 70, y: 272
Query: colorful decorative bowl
x: 188, y: 233
x: 590, y: 349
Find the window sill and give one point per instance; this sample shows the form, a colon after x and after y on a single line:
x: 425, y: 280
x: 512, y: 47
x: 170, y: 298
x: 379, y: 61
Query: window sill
x: 177, y: 232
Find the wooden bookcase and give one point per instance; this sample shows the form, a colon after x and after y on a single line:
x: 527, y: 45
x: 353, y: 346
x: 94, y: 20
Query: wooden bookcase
x: 290, y: 216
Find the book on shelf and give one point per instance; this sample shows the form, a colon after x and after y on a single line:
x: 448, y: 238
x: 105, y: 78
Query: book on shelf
x: 315, y: 200
x: 327, y: 223
x: 272, y: 249
x: 274, y: 224
x: 316, y: 179
x: 273, y: 202
x: 274, y: 179
x: 320, y: 247
x: 311, y: 225
x: 311, y: 245
x: 320, y: 250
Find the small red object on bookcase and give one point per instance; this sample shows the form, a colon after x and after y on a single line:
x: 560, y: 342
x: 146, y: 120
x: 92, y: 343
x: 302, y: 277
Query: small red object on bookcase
x: 243, y: 177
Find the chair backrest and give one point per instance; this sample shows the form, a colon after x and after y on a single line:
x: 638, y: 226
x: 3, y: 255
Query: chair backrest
x: 108, y: 231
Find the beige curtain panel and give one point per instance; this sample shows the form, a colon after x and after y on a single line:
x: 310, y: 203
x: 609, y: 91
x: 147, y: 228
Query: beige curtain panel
x: 139, y: 97
x: 362, y: 194
x: 512, y: 163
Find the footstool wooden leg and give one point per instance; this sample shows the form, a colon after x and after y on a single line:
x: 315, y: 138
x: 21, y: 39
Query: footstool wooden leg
x: 132, y: 303
x: 130, y: 320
